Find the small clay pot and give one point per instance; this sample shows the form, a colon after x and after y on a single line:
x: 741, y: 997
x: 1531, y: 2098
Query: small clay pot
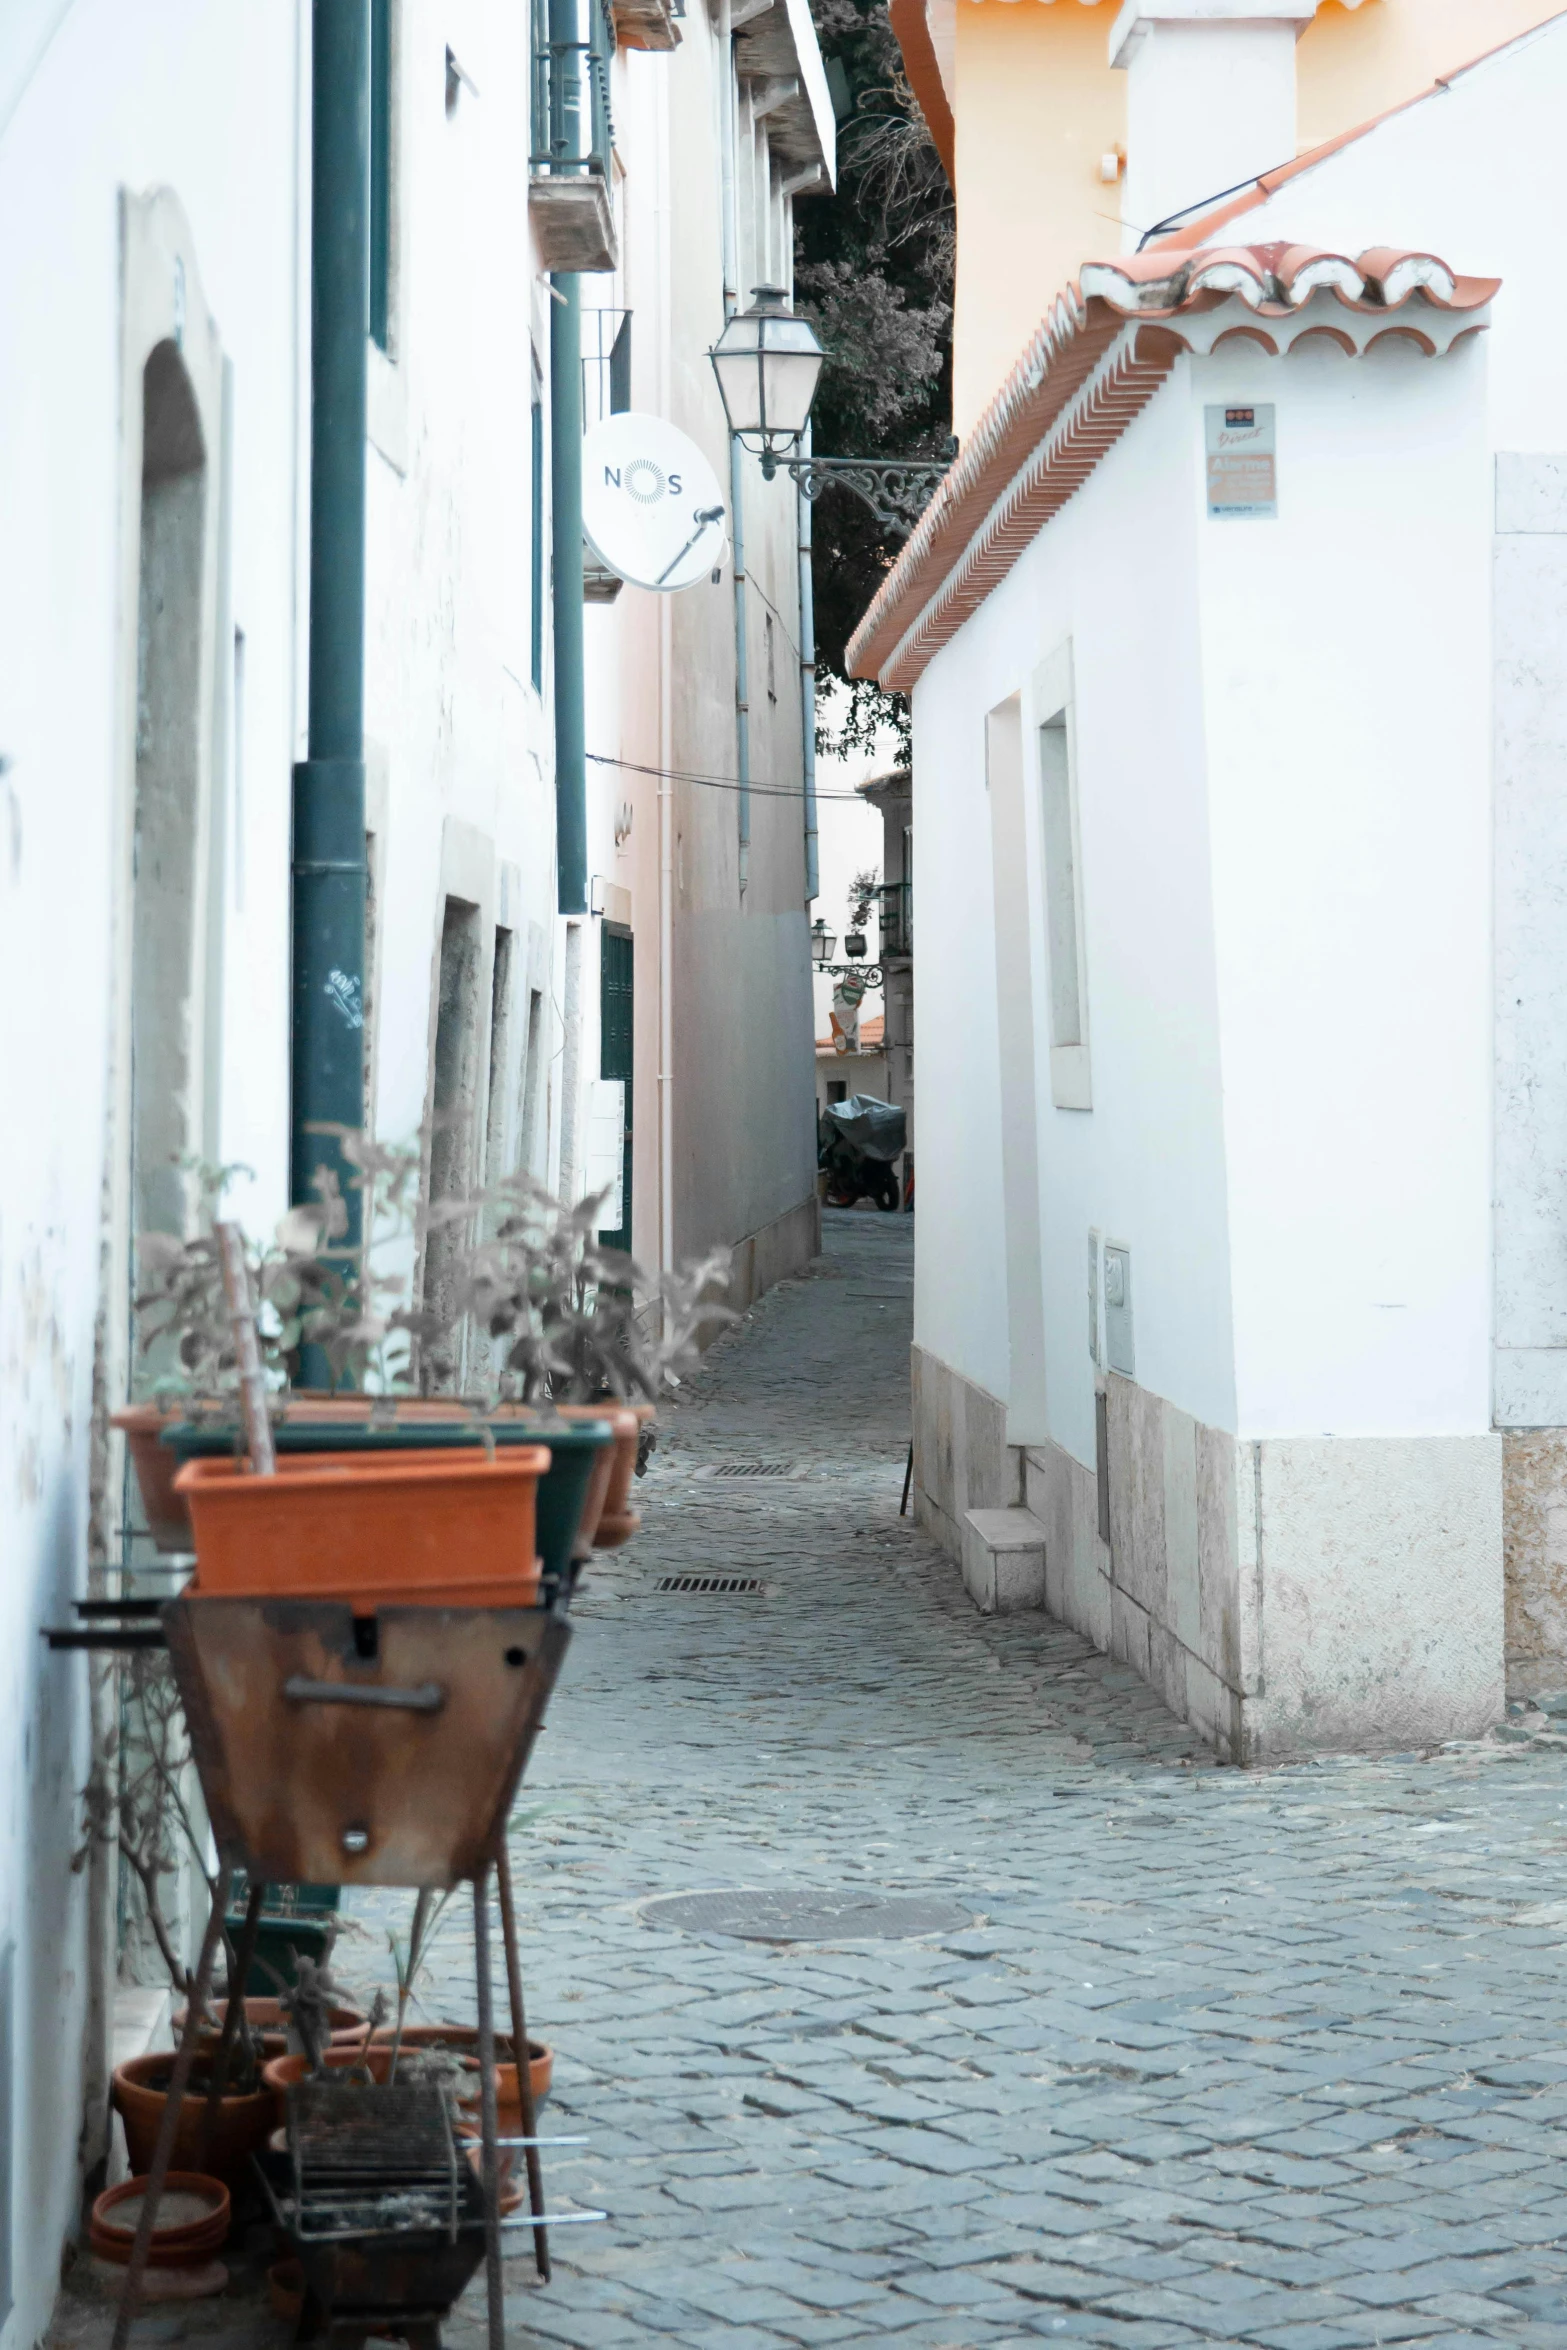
x: 240, y: 2125
x: 177, y: 2241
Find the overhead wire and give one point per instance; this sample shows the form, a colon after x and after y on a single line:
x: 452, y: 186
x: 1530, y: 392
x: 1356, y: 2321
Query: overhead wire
x: 770, y: 791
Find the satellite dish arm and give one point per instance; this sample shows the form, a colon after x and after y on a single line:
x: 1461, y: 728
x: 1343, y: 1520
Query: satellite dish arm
x: 704, y: 516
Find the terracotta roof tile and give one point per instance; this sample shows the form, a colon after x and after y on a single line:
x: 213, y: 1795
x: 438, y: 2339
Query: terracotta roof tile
x: 1093, y: 365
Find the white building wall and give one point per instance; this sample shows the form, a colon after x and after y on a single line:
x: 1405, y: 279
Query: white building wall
x: 1280, y: 735
x: 125, y: 97
x: 723, y: 1121
x: 1346, y: 655
x: 1476, y: 173
x: 461, y: 785
x: 1115, y: 580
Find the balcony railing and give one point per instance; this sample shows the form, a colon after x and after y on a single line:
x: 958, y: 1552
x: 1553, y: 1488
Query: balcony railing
x: 573, y: 131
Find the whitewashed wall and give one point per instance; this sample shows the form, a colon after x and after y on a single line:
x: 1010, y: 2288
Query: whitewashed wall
x: 130, y: 96
x: 733, y: 1075
x: 461, y: 788
x: 1281, y: 734
x: 1114, y: 577
x: 1478, y: 175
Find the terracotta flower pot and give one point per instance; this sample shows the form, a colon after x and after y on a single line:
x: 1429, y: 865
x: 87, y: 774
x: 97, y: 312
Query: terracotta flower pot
x: 612, y: 1474
x: 142, y: 1425
x: 168, y: 1520
x: 448, y: 1528
x: 240, y: 2125
x: 183, y: 2237
x: 619, y: 1521
x: 280, y: 2075
x: 463, y: 2040
x: 267, y: 2016
x: 283, y: 2071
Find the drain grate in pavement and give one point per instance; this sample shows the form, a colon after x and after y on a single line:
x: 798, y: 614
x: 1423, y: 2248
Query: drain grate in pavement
x: 753, y: 1469
x: 721, y: 1586
x: 809, y: 1915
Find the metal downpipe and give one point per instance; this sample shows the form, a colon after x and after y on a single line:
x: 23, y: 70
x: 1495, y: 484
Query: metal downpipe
x: 329, y: 784
x: 808, y: 687
x: 571, y: 767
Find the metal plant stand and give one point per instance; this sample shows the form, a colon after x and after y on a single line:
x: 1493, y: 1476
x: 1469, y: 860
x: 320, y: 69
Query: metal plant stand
x: 381, y: 1751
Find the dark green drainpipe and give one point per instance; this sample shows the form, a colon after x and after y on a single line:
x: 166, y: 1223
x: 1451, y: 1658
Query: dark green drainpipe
x: 571, y: 767
x: 329, y: 785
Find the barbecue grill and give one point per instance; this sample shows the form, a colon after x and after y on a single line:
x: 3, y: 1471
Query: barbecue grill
x: 380, y: 2207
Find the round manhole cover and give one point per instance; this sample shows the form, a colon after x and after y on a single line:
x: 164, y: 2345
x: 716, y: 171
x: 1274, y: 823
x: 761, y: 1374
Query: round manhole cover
x: 794, y: 1916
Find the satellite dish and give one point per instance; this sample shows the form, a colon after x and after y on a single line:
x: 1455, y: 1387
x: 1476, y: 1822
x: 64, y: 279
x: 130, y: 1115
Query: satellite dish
x: 651, y: 506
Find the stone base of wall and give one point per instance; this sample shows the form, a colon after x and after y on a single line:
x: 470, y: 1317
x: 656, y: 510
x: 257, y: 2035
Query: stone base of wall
x: 1534, y: 1518
x: 1287, y: 1597
x: 779, y: 1248
x: 962, y: 1460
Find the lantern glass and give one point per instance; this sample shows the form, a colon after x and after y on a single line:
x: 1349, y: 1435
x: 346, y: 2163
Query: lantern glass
x: 767, y: 362
x: 822, y: 942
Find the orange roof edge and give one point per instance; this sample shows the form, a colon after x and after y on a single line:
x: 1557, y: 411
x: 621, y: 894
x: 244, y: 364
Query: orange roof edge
x: 1268, y: 183
x: 912, y: 33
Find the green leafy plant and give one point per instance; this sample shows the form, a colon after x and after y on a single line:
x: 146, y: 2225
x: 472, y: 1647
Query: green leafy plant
x: 571, y: 1321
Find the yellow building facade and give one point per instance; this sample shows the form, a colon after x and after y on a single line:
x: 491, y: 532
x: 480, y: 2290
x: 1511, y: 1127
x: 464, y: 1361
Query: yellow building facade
x: 1031, y: 117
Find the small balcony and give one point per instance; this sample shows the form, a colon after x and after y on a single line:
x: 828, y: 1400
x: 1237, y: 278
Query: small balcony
x: 569, y: 202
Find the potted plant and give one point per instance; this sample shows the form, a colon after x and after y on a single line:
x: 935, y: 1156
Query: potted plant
x: 579, y: 1328
x: 136, y: 1801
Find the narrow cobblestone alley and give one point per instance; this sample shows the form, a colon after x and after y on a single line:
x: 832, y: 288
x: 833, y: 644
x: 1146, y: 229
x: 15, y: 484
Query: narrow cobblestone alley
x: 1271, y: 2058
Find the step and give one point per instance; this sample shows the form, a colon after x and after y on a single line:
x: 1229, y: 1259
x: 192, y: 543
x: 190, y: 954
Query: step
x: 1003, y: 1560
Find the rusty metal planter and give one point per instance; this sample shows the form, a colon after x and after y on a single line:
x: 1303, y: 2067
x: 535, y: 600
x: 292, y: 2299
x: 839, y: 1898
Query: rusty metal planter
x: 366, y: 1751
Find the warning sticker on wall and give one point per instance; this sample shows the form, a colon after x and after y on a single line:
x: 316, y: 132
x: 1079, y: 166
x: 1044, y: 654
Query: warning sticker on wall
x: 1243, y: 477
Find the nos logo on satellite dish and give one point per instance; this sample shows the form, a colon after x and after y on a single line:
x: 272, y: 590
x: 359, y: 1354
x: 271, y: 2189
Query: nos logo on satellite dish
x: 651, y: 506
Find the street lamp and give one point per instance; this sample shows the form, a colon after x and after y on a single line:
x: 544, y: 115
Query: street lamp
x: 767, y: 362
x: 823, y: 941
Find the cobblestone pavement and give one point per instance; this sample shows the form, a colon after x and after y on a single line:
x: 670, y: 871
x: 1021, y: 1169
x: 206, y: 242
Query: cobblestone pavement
x: 1274, y: 2058
x: 1270, y: 2058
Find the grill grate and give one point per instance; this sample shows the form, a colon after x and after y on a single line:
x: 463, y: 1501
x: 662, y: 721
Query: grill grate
x: 711, y: 1586
x: 372, y: 2160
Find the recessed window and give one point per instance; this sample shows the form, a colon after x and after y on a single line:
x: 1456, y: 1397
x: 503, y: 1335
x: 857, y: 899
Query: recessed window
x: 536, y: 541
x: 1055, y: 780
x: 1065, y: 958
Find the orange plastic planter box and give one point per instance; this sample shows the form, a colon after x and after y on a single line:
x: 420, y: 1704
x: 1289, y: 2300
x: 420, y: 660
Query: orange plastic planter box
x: 448, y: 1529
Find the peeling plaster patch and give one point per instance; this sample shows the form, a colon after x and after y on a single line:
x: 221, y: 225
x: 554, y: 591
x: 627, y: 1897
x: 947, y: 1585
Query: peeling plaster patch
x: 1534, y: 1521
x: 38, y: 1373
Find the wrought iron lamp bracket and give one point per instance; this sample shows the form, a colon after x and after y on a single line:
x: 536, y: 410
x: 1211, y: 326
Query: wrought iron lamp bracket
x: 869, y: 972
x: 897, y: 490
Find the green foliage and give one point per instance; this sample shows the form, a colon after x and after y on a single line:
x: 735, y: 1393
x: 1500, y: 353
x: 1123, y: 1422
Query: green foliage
x: 873, y: 272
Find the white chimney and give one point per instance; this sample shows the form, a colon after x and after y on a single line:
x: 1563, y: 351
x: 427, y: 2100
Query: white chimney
x: 1210, y: 98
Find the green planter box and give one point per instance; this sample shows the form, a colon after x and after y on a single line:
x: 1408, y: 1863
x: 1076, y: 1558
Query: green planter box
x: 298, y: 1925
